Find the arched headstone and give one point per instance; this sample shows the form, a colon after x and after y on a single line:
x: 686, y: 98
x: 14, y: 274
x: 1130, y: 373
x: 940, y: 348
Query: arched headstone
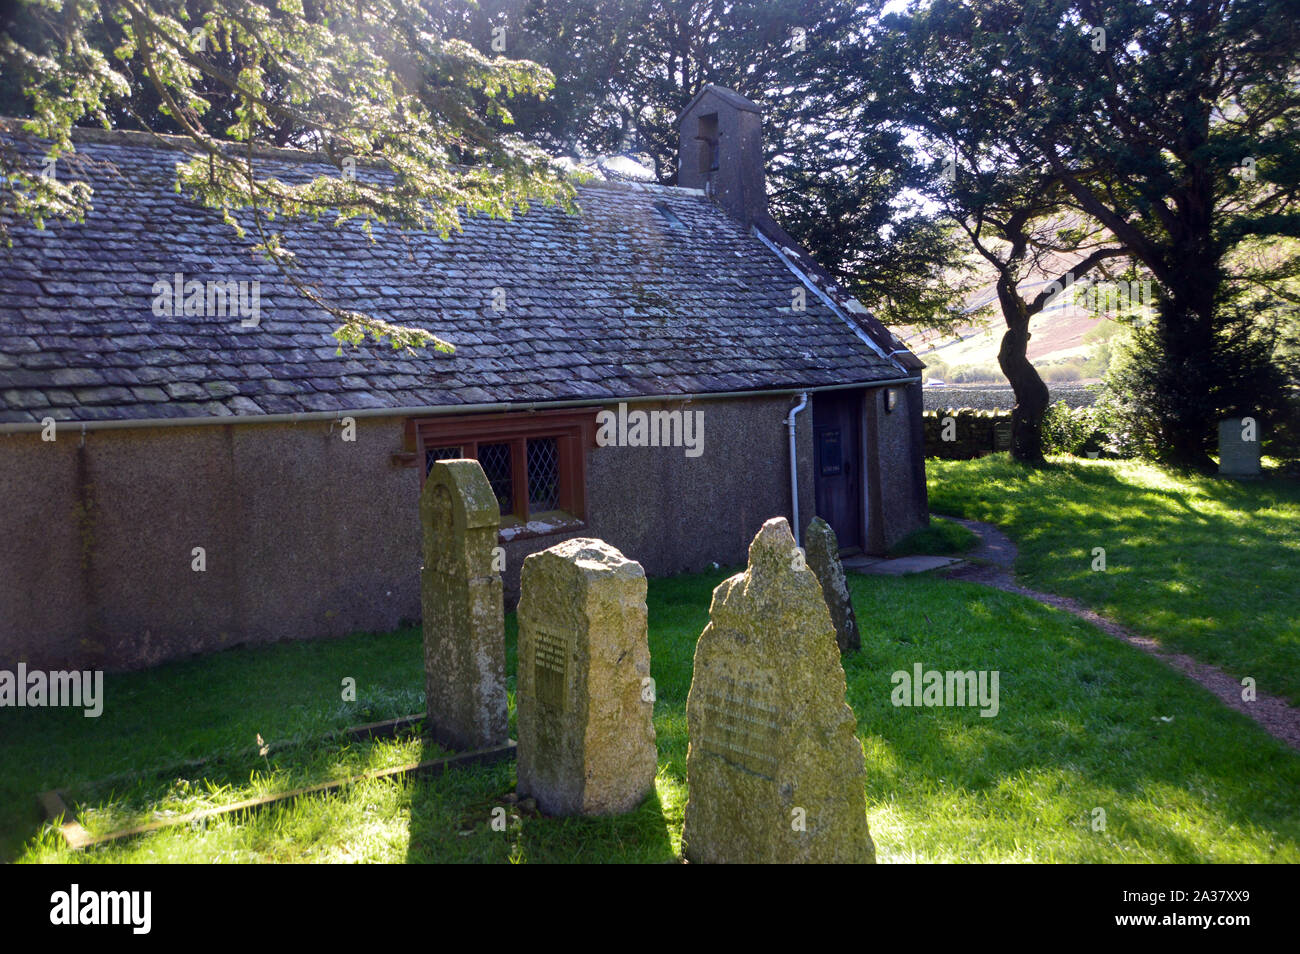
x: 461, y: 600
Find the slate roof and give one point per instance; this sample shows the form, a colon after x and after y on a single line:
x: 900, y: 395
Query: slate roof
x: 615, y: 302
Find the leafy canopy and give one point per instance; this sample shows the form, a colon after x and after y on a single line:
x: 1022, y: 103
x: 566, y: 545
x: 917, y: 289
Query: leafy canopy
x: 412, y: 119
x: 626, y: 68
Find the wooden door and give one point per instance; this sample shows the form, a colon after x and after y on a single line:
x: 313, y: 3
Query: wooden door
x: 837, y: 463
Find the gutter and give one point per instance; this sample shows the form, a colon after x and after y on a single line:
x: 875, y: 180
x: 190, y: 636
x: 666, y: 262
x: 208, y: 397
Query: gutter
x: 434, y: 410
x: 794, y: 464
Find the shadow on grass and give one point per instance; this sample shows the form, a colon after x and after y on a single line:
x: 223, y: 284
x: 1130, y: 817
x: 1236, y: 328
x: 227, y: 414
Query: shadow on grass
x: 1084, y: 722
x: 1205, y: 565
x: 1081, y: 725
x: 470, y: 815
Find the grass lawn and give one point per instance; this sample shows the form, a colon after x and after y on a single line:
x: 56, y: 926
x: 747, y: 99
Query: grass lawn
x: 1084, y: 723
x: 941, y: 537
x: 1207, y: 566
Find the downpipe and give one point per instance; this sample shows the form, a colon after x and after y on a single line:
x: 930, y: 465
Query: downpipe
x: 794, y: 464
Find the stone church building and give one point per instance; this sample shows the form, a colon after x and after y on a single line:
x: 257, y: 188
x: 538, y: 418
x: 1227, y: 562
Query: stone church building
x: 665, y: 370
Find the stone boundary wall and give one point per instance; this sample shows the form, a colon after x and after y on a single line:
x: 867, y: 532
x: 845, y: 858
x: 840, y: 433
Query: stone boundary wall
x: 975, y: 432
x: 1001, y: 398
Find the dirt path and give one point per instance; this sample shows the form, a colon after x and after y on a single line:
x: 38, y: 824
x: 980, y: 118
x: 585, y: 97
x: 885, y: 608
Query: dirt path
x: 991, y: 564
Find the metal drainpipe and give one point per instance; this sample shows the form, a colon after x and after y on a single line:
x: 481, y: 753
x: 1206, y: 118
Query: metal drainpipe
x: 794, y: 464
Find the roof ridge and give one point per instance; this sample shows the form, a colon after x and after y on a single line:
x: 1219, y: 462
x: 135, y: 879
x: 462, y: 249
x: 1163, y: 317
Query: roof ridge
x: 738, y: 100
x: 148, y: 139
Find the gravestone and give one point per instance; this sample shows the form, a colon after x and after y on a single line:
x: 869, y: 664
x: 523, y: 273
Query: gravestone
x: 461, y: 599
x: 1239, y: 447
x: 585, y: 700
x: 774, y: 768
x: 1002, y: 436
x: 823, y: 555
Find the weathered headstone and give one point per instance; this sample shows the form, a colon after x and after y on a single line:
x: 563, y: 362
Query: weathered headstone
x: 774, y: 768
x: 823, y: 556
x: 461, y: 598
x: 1239, y: 447
x: 585, y: 700
x: 1002, y: 436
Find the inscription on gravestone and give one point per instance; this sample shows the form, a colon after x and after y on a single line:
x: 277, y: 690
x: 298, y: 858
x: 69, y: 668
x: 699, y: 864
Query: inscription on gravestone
x: 586, y: 730
x: 740, y: 726
x: 1002, y: 436
x: 774, y: 768
x: 551, y: 668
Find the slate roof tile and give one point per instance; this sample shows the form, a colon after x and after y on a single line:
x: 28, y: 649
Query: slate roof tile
x: 605, y: 304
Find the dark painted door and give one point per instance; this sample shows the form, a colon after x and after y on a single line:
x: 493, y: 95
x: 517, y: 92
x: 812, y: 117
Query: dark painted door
x: 837, y: 463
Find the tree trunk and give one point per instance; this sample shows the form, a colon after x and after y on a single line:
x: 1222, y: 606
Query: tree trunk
x: 1190, y: 369
x: 1030, y: 391
x: 1186, y: 335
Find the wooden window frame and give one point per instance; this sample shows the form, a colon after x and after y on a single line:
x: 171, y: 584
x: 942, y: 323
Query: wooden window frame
x: 574, y: 433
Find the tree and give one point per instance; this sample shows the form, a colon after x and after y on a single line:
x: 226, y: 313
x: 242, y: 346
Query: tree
x: 626, y: 68
x: 1175, y: 129
x: 368, y: 83
x: 1028, y: 242
x: 948, y: 77
x: 1173, y: 125
x: 1256, y: 359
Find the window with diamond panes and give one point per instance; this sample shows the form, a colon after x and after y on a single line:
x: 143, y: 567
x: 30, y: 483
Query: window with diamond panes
x: 543, y: 474
x: 496, y: 462
x: 535, y: 463
x: 433, y: 454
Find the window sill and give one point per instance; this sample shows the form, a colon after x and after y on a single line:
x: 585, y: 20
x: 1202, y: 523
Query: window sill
x: 543, y: 525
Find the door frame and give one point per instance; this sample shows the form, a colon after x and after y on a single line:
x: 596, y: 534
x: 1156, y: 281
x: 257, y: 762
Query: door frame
x: 854, y: 399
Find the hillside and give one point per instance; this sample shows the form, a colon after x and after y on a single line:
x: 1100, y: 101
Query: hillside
x: 1066, y: 338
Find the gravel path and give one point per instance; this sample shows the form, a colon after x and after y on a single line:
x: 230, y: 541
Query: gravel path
x: 991, y: 564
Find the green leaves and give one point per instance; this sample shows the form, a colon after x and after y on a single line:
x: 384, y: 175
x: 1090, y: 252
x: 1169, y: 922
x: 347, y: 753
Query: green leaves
x: 404, y: 114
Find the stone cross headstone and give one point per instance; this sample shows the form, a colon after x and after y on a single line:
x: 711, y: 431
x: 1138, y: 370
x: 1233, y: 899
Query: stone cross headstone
x: 585, y: 700
x: 774, y: 767
x: 1239, y: 447
x: 823, y: 555
x: 461, y: 599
